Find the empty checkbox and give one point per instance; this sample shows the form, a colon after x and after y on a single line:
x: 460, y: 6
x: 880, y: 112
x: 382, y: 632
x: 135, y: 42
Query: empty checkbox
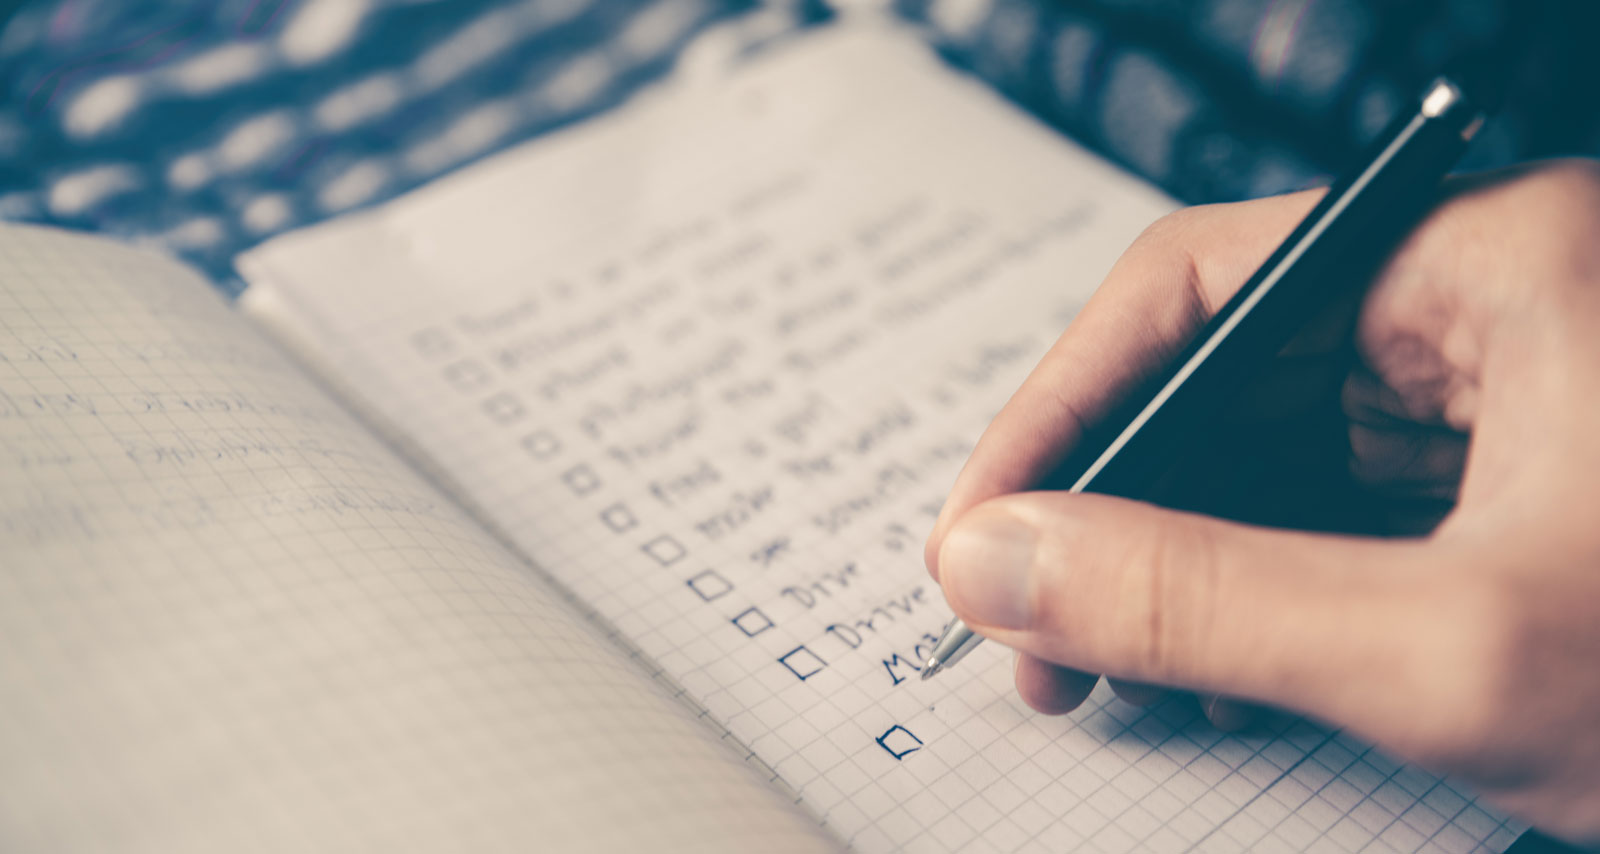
x: 504, y: 408
x: 467, y: 375
x: 899, y: 741
x: 752, y: 622
x: 802, y: 662
x: 433, y: 342
x: 618, y: 518
x: 541, y: 444
x: 581, y: 479
x: 710, y: 586
x: 666, y: 550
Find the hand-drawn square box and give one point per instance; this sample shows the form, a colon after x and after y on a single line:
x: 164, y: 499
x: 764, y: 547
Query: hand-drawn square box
x: 802, y: 662
x: 619, y: 518
x: 541, y: 444
x: 752, y: 622
x: 665, y: 549
x: 899, y: 741
x: 504, y: 408
x: 467, y: 375
x: 433, y: 342
x: 581, y: 479
x: 710, y: 586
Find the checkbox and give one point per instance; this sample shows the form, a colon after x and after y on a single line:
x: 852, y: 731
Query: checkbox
x: 467, y: 375
x: 581, y: 479
x: 433, y: 342
x: 504, y: 408
x: 802, y: 662
x: 899, y: 741
x: 752, y: 622
x: 710, y: 586
x: 666, y: 550
x: 618, y: 518
x: 541, y: 444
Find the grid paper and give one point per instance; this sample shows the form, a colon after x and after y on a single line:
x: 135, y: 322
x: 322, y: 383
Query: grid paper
x: 231, y: 620
x: 712, y: 363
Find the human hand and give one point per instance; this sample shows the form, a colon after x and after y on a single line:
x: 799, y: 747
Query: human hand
x: 1467, y: 391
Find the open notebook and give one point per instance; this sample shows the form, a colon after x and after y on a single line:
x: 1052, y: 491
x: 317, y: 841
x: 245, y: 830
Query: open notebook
x: 588, y: 514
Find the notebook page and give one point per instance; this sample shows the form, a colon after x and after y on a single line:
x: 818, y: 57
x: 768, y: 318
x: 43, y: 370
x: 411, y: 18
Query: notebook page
x: 230, y: 620
x: 713, y: 361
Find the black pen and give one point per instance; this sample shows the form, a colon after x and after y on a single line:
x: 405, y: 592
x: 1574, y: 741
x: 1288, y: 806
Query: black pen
x: 1340, y: 243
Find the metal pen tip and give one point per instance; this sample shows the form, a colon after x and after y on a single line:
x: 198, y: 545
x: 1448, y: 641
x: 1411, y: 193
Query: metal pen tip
x: 933, y: 666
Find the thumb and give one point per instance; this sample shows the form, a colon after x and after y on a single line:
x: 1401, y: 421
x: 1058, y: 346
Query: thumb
x: 1306, y: 621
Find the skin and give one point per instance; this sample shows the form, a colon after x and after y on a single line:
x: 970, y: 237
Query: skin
x: 1413, y: 549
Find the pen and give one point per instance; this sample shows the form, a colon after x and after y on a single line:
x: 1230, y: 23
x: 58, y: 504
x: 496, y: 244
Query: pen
x: 1342, y: 241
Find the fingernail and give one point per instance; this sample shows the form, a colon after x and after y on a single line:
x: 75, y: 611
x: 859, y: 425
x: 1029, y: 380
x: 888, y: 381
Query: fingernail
x: 985, y: 565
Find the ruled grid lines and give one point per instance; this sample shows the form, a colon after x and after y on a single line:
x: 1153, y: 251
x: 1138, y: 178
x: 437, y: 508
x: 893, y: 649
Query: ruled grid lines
x: 234, y: 621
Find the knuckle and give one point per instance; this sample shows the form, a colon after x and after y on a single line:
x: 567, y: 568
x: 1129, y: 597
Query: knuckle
x: 1161, y: 242
x: 1172, y: 225
x: 1168, y: 256
x: 1561, y: 199
x: 1509, y: 244
x: 1169, y: 244
x: 1577, y: 178
x: 1169, y: 590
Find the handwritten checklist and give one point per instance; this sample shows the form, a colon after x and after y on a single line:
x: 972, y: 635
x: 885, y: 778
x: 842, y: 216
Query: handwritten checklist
x: 724, y: 389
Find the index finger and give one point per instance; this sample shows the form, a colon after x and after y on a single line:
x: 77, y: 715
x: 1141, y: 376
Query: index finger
x: 1157, y: 295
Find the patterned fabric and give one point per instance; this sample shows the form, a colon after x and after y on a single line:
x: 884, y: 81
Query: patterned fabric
x: 1220, y: 100
x: 206, y: 126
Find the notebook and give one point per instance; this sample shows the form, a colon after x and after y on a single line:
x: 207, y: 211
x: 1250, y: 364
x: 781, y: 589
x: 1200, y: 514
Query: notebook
x: 575, y: 502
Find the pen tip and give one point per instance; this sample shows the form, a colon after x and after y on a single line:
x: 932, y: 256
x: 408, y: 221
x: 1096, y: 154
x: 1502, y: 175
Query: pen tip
x: 933, y: 666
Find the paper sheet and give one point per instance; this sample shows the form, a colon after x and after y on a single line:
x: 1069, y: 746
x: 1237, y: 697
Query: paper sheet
x: 713, y: 362
x: 231, y: 620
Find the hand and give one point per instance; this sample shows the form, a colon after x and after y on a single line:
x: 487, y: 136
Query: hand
x: 1466, y: 390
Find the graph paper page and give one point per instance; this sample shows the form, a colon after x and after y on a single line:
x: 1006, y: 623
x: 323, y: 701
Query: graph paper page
x: 713, y: 362
x: 232, y: 621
